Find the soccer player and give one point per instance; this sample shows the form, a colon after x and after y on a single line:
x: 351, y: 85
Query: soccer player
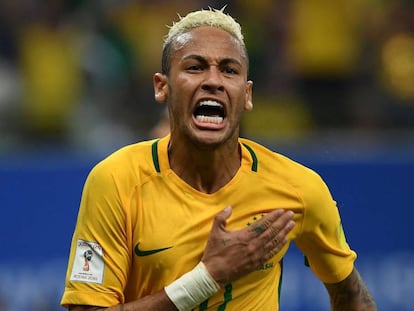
x: 200, y: 219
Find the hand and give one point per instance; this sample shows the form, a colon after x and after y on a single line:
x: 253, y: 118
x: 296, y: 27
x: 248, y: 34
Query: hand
x: 230, y: 255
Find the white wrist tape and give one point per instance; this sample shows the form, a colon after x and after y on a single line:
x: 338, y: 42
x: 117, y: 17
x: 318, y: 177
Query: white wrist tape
x: 192, y: 288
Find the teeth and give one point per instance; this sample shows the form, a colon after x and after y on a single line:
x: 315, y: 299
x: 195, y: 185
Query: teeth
x: 208, y: 119
x: 212, y: 119
x: 210, y: 103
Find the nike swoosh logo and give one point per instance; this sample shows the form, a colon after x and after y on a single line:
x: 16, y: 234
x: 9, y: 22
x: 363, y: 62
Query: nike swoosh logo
x: 142, y: 253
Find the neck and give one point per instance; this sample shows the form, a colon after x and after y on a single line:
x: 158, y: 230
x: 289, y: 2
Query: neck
x: 205, y: 170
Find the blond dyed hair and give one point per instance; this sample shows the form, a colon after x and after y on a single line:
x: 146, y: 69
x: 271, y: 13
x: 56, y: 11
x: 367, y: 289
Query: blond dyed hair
x: 210, y: 17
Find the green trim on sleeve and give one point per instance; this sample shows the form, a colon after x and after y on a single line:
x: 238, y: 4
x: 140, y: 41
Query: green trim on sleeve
x: 280, y: 281
x: 305, y: 261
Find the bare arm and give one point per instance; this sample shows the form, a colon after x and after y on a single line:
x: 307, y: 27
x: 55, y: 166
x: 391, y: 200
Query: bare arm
x: 228, y: 256
x: 350, y: 294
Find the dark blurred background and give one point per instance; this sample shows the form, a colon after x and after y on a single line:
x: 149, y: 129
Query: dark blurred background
x: 333, y: 88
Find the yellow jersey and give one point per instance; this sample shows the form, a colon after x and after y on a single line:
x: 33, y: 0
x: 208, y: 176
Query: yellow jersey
x: 140, y: 227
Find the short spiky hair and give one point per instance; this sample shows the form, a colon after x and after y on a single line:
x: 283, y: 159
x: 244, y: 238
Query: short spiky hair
x: 211, y: 17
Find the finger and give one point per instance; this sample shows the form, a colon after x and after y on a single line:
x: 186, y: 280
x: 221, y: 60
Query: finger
x: 275, y: 227
x: 273, y: 252
x: 277, y: 243
x: 272, y: 223
x: 221, y: 218
x: 261, y: 225
x: 275, y: 214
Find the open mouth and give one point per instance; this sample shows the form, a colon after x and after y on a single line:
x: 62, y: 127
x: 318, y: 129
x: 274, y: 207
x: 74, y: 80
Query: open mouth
x: 209, y: 111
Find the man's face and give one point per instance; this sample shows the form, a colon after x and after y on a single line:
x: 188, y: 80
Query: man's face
x: 206, y: 88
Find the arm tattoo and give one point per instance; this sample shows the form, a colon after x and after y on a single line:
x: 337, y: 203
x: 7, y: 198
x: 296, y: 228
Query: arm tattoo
x: 350, y: 294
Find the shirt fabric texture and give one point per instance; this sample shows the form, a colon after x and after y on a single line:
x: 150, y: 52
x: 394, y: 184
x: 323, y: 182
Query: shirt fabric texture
x: 152, y: 227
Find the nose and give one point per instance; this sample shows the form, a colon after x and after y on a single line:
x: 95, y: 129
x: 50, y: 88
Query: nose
x: 213, y: 80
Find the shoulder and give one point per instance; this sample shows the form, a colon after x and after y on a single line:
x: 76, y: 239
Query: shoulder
x: 132, y: 161
x: 278, y: 164
x: 282, y: 171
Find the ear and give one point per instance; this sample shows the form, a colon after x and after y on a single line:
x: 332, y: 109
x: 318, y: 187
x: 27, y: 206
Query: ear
x: 248, y: 105
x: 160, y: 88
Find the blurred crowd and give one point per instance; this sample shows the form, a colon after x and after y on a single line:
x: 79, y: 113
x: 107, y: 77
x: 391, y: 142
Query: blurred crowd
x: 79, y: 73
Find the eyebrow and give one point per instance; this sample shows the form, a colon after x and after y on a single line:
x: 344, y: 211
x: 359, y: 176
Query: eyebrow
x: 223, y: 61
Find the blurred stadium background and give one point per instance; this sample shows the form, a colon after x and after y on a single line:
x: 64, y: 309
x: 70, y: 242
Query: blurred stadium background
x: 334, y: 89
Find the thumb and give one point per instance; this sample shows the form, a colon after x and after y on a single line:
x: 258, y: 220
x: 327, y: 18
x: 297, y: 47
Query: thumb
x: 221, y: 218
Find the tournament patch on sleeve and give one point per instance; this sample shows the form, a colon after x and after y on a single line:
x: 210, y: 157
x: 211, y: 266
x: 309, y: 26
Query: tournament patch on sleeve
x: 88, y: 264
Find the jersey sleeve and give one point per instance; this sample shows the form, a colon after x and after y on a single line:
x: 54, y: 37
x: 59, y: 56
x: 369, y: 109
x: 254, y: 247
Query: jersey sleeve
x: 322, y: 239
x: 99, y: 258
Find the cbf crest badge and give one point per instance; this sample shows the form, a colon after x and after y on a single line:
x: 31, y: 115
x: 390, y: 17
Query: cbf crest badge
x: 88, y: 264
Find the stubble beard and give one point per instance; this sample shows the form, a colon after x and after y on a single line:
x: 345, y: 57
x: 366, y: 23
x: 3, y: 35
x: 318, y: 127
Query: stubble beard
x: 227, y: 141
